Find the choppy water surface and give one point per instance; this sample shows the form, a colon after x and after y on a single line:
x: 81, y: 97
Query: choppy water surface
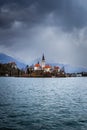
x: 43, y: 103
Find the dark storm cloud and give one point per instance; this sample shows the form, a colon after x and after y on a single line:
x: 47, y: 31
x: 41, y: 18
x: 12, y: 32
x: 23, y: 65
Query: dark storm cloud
x: 56, y: 27
x: 66, y: 13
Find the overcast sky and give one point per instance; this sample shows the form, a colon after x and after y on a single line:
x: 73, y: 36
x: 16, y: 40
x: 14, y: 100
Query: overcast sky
x: 57, y: 28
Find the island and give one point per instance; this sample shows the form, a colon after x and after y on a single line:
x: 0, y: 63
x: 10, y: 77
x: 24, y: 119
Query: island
x: 39, y: 69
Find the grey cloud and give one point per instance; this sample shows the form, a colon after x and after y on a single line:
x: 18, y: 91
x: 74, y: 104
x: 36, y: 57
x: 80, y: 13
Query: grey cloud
x: 66, y: 13
x: 54, y: 27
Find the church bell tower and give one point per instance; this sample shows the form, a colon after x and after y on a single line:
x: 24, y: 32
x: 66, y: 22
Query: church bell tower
x: 43, y: 62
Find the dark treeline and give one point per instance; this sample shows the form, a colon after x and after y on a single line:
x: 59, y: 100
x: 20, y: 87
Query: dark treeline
x: 10, y: 69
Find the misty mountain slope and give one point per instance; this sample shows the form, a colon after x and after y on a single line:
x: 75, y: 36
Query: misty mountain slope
x: 70, y: 69
x: 6, y: 59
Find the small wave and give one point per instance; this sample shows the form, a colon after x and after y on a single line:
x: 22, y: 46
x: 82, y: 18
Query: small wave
x: 4, y: 128
x: 83, y: 121
x: 3, y: 105
x: 71, y: 123
x: 18, y: 115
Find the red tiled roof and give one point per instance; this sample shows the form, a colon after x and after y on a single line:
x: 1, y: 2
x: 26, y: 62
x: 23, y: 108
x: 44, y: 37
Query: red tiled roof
x: 47, y: 66
x: 37, y: 65
x: 56, y: 67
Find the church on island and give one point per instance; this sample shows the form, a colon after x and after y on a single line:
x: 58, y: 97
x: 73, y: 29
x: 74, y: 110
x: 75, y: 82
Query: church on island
x: 46, y: 67
x: 42, y: 69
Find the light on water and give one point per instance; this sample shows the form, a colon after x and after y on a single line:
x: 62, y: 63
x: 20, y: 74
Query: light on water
x: 43, y: 103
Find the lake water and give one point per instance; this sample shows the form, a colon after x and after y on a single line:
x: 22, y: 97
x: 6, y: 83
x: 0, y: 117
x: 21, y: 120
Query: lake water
x: 43, y: 103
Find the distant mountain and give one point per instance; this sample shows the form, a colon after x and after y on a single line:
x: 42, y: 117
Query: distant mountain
x: 6, y: 59
x: 73, y: 69
x: 69, y: 68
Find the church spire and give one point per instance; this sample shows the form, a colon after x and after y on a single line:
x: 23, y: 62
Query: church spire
x: 43, y: 58
x: 43, y: 61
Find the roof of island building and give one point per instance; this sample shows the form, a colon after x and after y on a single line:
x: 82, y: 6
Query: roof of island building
x: 37, y: 65
x: 56, y: 67
x: 47, y: 66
